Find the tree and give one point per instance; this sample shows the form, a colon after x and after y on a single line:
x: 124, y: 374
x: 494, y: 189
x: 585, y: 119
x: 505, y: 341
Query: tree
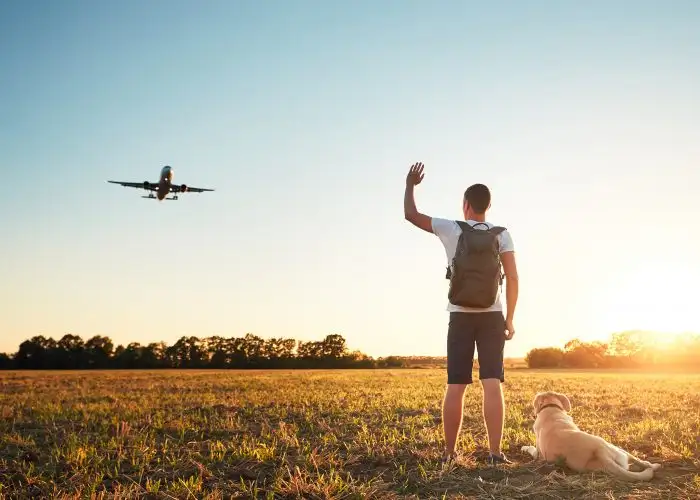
x: 129, y: 356
x: 70, y: 352
x: 255, y: 352
x: 547, y: 357
x: 188, y: 352
x: 154, y: 356
x: 6, y: 362
x: 579, y: 354
x: 36, y: 353
x: 333, y: 346
x: 217, y: 350
x: 98, y: 351
x: 310, y: 350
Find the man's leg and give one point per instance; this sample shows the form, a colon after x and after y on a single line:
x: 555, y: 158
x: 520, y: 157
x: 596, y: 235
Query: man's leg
x: 493, y: 409
x: 490, y: 342
x: 452, y: 413
x: 460, y: 359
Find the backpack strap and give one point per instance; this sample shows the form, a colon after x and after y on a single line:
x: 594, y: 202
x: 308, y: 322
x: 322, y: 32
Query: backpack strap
x: 465, y: 226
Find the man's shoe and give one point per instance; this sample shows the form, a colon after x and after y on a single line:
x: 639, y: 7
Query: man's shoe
x: 498, y: 459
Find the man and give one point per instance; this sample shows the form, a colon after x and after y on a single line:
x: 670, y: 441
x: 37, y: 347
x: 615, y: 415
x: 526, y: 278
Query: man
x: 475, y: 278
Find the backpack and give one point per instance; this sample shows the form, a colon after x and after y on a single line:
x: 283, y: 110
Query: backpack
x: 475, y: 272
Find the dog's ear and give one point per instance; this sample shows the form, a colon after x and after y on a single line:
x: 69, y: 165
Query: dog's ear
x: 537, y: 402
x: 565, y: 401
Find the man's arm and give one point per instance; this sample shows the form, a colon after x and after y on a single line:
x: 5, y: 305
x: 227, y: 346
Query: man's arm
x: 411, y: 213
x: 510, y: 269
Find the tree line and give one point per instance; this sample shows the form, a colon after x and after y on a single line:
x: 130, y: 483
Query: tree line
x: 629, y: 349
x: 71, y: 352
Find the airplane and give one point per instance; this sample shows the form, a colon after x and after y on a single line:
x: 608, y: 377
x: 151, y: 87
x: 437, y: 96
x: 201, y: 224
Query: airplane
x: 163, y: 186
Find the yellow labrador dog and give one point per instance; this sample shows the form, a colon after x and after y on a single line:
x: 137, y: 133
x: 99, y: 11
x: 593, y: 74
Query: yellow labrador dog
x: 558, y: 437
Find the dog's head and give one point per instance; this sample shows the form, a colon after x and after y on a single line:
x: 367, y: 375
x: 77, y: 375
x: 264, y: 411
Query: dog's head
x: 551, y: 398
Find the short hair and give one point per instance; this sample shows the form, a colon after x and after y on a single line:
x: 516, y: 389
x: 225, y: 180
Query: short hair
x: 479, y: 197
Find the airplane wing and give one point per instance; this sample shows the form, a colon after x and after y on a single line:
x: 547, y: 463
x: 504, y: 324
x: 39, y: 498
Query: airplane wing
x: 178, y: 188
x: 153, y: 186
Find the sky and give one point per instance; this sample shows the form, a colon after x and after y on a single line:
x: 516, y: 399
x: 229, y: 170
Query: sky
x: 305, y: 118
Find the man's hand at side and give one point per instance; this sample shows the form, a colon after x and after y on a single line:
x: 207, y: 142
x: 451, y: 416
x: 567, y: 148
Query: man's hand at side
x: 410, y: 212
x: 510, y: 329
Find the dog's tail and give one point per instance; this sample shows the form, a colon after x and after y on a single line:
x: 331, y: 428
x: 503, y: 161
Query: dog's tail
x: 612, y: 467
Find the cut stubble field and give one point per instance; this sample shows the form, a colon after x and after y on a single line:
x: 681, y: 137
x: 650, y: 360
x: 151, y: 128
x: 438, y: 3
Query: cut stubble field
x: 324, y: 434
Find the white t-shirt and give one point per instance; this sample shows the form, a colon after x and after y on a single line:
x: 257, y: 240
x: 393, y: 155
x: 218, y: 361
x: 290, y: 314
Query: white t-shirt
x: 449, y: 231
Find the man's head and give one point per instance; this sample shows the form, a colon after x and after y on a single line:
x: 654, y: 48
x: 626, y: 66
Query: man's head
x: 477, y: 199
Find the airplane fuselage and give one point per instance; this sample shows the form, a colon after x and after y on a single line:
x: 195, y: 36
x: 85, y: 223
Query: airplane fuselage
x: 165, y: 183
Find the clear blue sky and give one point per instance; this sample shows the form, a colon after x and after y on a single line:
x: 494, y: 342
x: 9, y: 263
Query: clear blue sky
x: 582, y: 117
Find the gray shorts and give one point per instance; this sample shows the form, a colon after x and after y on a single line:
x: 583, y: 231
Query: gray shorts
x: 486, y: 332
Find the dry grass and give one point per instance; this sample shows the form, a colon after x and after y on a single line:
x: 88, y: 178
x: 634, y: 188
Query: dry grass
x: 323, y: 434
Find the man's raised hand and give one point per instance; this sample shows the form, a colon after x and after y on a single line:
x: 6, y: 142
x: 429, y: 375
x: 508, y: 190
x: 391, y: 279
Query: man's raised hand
x: 415, y: 174
x: 410, y: 212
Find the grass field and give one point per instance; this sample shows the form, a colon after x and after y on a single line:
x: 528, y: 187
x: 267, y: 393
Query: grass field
x: 323, y: 434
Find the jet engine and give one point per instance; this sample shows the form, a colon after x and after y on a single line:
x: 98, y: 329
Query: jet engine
x: 146, y: 184
x: 183, y: 188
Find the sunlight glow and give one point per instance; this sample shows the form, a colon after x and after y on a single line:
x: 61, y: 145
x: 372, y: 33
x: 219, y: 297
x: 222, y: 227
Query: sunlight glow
x: 654, y: 302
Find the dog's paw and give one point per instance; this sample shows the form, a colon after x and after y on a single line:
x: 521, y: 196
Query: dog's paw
x: 655, y: 466
x: 530, y: 450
